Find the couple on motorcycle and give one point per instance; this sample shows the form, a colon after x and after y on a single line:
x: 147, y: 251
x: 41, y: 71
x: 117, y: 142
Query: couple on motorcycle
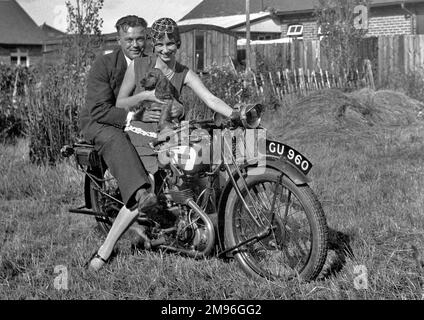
x: 114, y: 88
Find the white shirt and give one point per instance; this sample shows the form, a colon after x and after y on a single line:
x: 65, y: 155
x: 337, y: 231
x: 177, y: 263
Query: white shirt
x: 130, y: 114
x: 128, y: 60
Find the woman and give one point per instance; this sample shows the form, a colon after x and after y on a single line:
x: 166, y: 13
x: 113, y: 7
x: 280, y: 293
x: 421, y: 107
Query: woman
x: 166, y: 41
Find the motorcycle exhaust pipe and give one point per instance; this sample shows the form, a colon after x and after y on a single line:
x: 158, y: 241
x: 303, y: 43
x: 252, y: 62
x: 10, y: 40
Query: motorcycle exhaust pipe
x: 185, y: 197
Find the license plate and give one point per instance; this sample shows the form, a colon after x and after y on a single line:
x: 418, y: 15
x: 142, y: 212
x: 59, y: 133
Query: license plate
x: 281, y: 150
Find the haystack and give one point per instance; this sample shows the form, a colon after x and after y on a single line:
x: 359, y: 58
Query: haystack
x: 393, y: 108
x: 334, y: 114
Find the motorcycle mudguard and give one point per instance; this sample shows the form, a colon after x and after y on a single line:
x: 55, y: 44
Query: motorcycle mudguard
x: 293, y: 173
x: 279, y: 164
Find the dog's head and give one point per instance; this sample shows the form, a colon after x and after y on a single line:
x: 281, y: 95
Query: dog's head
x: 151, y: 79
x: 155, y: 79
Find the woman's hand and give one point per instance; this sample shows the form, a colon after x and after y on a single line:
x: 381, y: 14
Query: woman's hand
x: 151, y: 113
x: 150, y: 96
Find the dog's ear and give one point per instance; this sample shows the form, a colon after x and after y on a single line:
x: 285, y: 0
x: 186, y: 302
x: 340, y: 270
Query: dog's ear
x: 164, y: 88
x: 149, y: 82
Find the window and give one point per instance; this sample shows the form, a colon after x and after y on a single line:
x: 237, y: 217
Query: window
x: 14, y: 60
x: 295, y: 30
x: 200, y: 51
x: 19, y: 58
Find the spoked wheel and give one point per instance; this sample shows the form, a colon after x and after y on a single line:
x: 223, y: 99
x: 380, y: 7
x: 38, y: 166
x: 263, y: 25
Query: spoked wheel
x: 105, y: 198
x: 296, y: 242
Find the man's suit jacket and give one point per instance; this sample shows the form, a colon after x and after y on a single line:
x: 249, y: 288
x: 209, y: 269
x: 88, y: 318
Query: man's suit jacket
x: 104, y: 81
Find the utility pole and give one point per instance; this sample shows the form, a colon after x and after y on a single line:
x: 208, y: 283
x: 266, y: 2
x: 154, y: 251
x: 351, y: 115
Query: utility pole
x: 248, y: 66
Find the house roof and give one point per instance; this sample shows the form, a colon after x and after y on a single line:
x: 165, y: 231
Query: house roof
x: 225, y: 21
x: 222, y: 8
x: 16, y: 26
x: 204, y: 26
x: 300, y: 6
x: 183, y: 28
x: 50, y: 32
x: 215, y: 8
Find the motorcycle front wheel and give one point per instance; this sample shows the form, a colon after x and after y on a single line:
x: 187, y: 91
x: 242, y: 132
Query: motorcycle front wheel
x: 296, y: 244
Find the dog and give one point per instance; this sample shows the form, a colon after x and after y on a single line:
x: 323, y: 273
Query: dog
x: 155, y: 79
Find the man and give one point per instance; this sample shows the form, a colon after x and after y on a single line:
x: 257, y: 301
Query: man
x: 103, y: 124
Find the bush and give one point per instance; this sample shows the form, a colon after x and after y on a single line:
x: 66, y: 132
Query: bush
x: 53, y: 103
x: 230, y: 86
x: 410, y: 83
x: 52, y: 112
x: 13, y: 84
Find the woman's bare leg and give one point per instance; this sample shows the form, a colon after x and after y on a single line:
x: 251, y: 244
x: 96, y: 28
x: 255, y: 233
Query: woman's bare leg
x: 122, y: 222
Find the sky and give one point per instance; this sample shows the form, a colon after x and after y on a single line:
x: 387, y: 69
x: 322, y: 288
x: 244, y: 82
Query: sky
x: 53, y: 12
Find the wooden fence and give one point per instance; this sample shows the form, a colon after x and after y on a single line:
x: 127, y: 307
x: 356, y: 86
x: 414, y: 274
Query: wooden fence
x: 303, y: 54
x: 388, y: 54
x: 402, y: 54
x: 288, y: 84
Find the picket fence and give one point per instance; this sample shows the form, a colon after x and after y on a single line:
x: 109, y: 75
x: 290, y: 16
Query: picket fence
x: 288, y: 84
x: 387, y: 54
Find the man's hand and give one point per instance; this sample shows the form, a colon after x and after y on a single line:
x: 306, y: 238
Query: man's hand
x: 177, y: 109
x: 150, y: 114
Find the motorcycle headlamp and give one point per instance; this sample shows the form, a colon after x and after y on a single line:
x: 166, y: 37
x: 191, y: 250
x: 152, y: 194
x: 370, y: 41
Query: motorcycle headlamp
x: 250, y: 115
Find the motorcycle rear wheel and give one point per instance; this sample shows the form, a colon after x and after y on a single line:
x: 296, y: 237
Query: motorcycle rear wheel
x: 297, y: 245
x: 103, y: 204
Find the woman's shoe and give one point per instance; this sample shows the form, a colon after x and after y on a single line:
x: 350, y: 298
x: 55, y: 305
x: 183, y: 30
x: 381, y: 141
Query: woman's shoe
x: 96, y: 262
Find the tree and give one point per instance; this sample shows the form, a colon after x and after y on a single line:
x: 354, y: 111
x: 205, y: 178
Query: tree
x: 84, y: 29
x: 343, y: 25
x: 55, y: 104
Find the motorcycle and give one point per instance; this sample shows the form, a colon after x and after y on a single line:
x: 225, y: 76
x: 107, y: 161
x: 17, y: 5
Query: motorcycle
x: 259, y: 211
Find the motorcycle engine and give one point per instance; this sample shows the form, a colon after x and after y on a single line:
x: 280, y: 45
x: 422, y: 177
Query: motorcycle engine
x: 190, y: 233
x: 195, y: 156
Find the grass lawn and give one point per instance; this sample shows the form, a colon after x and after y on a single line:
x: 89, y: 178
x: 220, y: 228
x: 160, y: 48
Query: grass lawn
x: 368, y: 174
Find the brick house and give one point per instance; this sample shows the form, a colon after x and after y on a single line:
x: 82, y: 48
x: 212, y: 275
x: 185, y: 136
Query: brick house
x: 385, y: 17
x: 21, y: 40
x: 296, y: 19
